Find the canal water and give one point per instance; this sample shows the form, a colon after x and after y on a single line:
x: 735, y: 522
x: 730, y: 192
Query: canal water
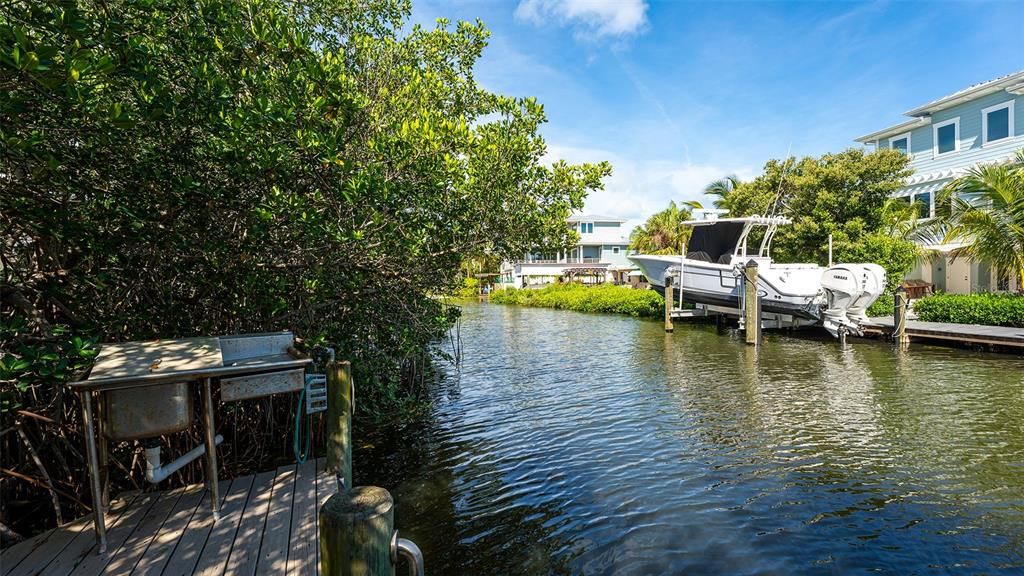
x: 590, y: 444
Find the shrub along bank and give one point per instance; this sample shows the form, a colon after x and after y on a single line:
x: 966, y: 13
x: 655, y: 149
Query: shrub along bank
x: 988, y: 309
x: 606, y: 298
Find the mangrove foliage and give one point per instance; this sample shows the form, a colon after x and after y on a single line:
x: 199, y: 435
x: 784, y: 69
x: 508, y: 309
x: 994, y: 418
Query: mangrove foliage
x: 173, y: 168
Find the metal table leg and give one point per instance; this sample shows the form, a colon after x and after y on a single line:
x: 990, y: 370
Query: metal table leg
x: 94, y: 472
x: 103, y: 448
x: 211, y: 449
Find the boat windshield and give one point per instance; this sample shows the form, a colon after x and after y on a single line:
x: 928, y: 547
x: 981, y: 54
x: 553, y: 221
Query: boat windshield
x: 711, y: 243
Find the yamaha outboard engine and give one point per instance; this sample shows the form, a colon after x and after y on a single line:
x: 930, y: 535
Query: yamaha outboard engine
x: 849, y: 290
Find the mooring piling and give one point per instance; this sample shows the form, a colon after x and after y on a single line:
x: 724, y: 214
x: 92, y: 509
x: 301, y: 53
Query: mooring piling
x: 357, y: 524
x: 902, y: 304
x: 668, y: 304
x: 356, y: 529
x: 339, y: 421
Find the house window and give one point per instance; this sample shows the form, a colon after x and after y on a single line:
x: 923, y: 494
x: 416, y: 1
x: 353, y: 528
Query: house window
x: 923, y: 200
x: 997, y: 122
x: 901, y: 143
x: 587, y: 227
x: 947, y: 136
x: 615, y: 250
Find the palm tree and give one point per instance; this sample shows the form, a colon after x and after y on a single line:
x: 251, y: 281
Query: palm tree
x: 722, y: 188
x: 902, y: 219
x: 663, y: 232
x: 984, y: 209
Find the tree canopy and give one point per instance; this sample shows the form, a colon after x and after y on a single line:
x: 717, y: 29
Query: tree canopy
x: 171, y: 168
x: 845, y: 194
x: 663, y: 232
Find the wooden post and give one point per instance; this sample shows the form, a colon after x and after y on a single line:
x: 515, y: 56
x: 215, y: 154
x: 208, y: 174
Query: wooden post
x: 356, y: 528
x: 668, y: 304
x: 340, y: 391
x: 751, y: 304
x: 899, y: 319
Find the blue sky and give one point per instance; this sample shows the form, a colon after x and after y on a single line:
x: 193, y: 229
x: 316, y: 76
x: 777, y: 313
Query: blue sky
x: 676, y: 94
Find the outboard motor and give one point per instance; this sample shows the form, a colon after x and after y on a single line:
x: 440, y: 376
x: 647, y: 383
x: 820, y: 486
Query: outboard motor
x: 849, y: 290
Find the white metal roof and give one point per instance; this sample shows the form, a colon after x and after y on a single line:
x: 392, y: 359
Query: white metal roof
x: 1012, y: 83
x: 594, y: 218
x: 894, y: 130
x: 969, y: 93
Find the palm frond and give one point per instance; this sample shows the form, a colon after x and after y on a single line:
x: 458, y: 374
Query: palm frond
x: 984, y: 210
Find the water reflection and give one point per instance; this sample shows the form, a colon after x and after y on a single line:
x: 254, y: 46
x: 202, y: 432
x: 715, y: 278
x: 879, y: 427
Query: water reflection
x: 574, y: 443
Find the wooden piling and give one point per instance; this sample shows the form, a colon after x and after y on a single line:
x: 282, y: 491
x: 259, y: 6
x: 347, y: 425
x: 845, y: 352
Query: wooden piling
x: 899, y: 320
x: 751, y: 304
x: 340, y: 389
x: 356, y: 529
x: 668, y: 304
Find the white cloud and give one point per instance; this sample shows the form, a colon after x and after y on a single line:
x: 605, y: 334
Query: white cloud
x: 639, y: 188
x: 592, y: 18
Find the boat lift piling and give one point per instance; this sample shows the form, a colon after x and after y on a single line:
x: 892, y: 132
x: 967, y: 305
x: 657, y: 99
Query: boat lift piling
x: 751, y: 304
x: 668, y: 304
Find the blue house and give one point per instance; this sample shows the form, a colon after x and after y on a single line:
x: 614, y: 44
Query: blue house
x: 980, y: 124
x: 600, y: 256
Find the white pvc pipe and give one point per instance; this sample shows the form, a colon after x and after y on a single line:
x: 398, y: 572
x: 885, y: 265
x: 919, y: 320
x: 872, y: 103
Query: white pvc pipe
x: 155, y: 473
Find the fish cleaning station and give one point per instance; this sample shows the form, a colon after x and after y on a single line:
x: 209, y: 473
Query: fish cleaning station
x: 304, y: 518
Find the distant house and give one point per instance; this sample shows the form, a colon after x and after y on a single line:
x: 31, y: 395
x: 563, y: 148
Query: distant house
x: 599, y: 257
x: 980, y: 124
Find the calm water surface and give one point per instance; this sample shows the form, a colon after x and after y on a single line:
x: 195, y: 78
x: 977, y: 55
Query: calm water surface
x: 587, y: 444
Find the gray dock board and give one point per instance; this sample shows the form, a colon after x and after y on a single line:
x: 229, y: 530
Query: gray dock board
x: 93, y: 564
x: 84, y: 542
x: 214, y: 556
x: 268, y: 525
x: 13, y: 556
x: 245, y: 551
x: 166, y: 539
x: 68, y: 538
x: 273, y: 556
x: 302, y: 557
x: 125, y: 558
x: 186, y: 555
x: 974, y: 333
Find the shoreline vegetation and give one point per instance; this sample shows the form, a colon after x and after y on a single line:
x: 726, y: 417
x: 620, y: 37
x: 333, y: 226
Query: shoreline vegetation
x: 985, y: 309
x: 603, y: 298
x: 182, y: 169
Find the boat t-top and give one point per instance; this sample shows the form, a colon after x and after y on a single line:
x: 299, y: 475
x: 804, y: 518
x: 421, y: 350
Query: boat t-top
x: 710, y: 275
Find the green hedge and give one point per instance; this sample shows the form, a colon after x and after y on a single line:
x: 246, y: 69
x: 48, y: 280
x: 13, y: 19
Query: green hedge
x: 988, y: 309
x: 606, y: 298
x: 469, y: 289
x: 884, y: 306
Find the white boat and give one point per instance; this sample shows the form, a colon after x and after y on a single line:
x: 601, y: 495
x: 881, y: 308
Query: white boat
x: 711, y: 276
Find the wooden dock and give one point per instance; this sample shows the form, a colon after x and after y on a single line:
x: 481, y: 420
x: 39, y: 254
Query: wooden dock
x: 268, y: 525
x: 964, y: 333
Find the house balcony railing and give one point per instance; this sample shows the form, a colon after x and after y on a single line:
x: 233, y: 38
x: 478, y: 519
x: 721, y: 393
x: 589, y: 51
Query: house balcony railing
x: 582, y: 260
x: 564, y: 261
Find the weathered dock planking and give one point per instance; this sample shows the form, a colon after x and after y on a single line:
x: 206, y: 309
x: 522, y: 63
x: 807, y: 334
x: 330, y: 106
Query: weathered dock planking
x: 965, y: 333
x: 268, y: 525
